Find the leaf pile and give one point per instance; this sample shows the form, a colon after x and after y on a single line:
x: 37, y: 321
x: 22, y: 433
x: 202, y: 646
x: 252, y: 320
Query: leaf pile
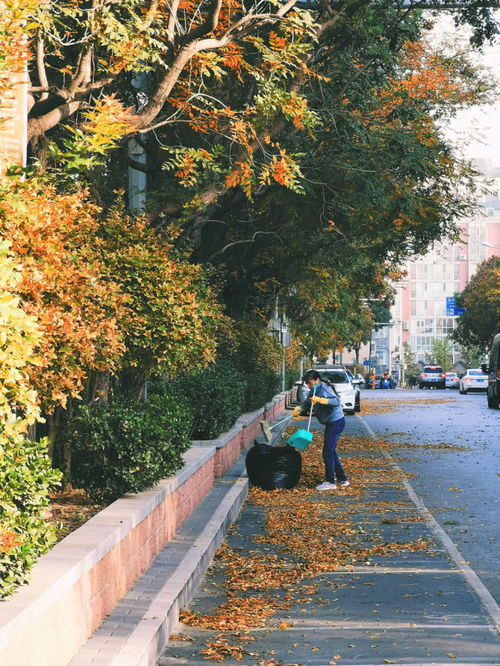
x: 376, y: 407
x: 306, y: 534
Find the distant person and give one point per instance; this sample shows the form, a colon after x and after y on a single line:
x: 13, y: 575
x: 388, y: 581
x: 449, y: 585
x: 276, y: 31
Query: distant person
x: 328, y: 410
x: 413, y: 381
x: 372, y: 380
x: 385, y: 381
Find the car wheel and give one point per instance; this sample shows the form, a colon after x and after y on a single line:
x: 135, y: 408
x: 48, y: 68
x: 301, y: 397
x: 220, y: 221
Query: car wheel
x: 420, y: 386
x: 350, y: 412
x: 357, y: 406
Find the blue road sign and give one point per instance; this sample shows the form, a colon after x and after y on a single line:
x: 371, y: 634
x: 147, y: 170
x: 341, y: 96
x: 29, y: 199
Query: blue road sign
x: 451, y: 307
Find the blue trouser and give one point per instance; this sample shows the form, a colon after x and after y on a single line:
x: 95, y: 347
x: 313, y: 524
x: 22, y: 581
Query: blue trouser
x: 333, y: 466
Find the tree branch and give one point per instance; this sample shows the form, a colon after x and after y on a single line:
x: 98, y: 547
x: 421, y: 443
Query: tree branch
x: 208, y: 26
x: 38, y: 126
x: 171, y: 21
x: 40, y: 67
x: 154, y: 106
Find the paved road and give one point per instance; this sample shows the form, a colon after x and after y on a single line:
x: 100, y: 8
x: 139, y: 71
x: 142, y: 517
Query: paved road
x: 470, y: 513
x: 418, y: 608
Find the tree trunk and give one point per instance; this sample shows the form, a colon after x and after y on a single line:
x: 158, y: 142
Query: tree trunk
x: 66, y: 456
x: 52, y: 432
x: 133, y: 382
x: 98, y: 388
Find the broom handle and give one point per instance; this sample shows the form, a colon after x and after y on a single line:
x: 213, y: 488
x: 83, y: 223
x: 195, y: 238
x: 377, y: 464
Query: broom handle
x: 311, y: 410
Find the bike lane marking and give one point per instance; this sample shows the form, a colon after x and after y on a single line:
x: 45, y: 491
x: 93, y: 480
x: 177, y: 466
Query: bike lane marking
x: 469, y: 574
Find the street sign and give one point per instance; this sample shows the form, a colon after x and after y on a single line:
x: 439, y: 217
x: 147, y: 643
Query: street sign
x: 451, y: 307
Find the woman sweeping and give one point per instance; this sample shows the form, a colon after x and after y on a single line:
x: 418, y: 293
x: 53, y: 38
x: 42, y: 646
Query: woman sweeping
x: 328, y: 410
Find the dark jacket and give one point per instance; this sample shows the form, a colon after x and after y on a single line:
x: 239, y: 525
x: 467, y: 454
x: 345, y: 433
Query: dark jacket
x: 324, y: 413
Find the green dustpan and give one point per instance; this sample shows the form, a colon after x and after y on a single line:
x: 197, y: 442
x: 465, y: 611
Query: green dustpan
x: 302, y: 438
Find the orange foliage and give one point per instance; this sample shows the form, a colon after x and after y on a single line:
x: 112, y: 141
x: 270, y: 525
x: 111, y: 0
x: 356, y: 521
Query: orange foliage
x: 9, y: 541
x: 54, y: 237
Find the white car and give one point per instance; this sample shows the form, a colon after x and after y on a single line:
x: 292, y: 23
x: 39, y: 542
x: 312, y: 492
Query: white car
x: 349, y: 393
x: 473, y: 380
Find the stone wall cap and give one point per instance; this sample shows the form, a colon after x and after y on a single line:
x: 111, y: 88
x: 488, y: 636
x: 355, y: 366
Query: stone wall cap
x: 222, y: 440
x: 246, y: 419
x: 77, y: 553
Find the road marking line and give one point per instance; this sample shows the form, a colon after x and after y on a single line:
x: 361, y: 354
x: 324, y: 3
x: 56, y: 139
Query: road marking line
x: 388, y: 570
x: 369, y: 626
x: 469, y: 574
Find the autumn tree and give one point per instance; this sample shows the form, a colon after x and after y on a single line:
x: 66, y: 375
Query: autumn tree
x: 480, y: 299
x: 410, y: 365
x: 442, y: 353
x: 233, y: 74
x: 62, y: 285
x: 26, y: 477
x: 170, y: 317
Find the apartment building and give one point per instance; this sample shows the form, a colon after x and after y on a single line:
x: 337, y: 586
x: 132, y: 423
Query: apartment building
x: 424, y: 308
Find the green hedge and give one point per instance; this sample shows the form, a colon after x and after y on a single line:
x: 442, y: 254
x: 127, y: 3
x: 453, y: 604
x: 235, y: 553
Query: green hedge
x: 261, y: 386
x: 216, y: 398
x: 26, y: 479
x: 128, y: 446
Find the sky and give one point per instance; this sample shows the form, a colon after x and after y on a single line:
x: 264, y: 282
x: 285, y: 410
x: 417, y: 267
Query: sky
x: 476, y: 131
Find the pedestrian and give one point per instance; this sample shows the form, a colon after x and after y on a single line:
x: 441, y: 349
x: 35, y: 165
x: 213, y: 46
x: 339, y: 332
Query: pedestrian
x: 372, y: 381
x: 328, y: 410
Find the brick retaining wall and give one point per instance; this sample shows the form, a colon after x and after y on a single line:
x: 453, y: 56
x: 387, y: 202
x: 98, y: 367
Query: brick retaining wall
x: 76, y: 584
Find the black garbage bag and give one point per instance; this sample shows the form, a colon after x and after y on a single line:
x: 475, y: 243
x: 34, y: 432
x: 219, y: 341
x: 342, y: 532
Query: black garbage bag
x: 271, y: 467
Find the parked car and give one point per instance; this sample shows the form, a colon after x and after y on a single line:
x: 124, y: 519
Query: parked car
x: 493, y: 372
x: 473, y: 380
x: 360, y: 380
x: 432, y: 376
x: 347, y: 388
x: 451, y: 380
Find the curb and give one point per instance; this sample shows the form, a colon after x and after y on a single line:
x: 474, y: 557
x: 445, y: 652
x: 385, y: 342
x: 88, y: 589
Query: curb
x: 135, y: 633
x: 138, y: 628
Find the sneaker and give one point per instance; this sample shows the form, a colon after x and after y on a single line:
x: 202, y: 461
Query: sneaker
x: 326, y: 485
x: 345, y: 483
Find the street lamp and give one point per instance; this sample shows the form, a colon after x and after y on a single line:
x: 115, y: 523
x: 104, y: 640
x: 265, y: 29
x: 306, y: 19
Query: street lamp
x: 486, y: 244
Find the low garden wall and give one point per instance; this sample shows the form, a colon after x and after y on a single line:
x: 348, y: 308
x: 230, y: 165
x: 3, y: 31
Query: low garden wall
x: 76, y: 584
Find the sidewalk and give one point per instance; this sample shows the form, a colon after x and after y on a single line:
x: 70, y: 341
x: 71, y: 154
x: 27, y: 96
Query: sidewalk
x: 355, y: 576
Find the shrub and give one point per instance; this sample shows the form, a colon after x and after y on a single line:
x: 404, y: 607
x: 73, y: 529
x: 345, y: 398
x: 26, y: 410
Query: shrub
x: 216, y: 397
x: 26, y: 478
x: 261, y: 386
x: 292, y: 375
x: 128, y: 446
